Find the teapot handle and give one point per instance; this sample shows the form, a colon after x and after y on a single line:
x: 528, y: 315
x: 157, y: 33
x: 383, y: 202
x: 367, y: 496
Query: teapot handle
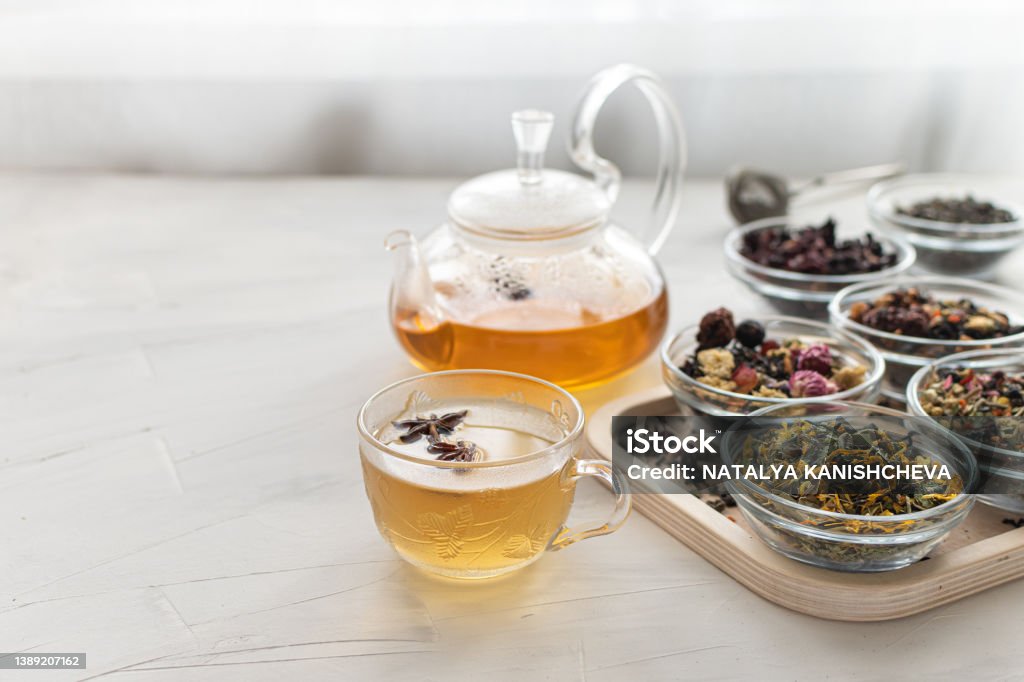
x: 671, y: 158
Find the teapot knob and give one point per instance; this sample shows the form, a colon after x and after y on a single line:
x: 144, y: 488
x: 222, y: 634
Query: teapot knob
x: 532, y: 128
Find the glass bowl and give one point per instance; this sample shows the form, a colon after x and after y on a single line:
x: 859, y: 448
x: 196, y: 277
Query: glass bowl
x: 904, y: 355
x: 797, y: 293
x: 691, y: 394
x: 958, y: 249
x: 849, y: 542
x: 1001, y: 481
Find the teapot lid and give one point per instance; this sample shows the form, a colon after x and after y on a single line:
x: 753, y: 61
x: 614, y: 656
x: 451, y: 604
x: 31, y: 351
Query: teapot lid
x: 529, y: 202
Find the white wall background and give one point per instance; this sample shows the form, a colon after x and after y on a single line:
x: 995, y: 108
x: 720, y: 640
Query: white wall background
x: 418, y: 87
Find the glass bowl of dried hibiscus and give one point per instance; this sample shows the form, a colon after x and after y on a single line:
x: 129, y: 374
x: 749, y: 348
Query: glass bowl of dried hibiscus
x: 721, y: 368
x: 798, y: 264
x: 979, y: 396
x: 913, y: 321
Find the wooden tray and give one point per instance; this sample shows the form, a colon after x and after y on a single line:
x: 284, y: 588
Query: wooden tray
x: 980, y: 553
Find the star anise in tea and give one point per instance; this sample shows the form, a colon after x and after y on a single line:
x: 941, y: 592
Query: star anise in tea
x: 432, y: 427
x: 459, y: 451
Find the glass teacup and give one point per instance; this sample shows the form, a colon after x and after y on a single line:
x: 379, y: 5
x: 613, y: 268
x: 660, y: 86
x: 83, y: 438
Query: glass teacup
x: 471, y: 473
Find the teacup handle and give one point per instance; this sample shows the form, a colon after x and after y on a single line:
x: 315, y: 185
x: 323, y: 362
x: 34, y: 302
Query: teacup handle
x: 671, y: 157
x: 623, y: 504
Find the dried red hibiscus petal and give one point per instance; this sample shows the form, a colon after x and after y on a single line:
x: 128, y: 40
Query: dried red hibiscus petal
x: 815, y: 250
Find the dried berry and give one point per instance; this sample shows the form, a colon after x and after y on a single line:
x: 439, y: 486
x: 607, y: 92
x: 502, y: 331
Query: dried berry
x: 717, y: 329
x: 750, y: 333
x: 745, y: 378
x: 904, y: 321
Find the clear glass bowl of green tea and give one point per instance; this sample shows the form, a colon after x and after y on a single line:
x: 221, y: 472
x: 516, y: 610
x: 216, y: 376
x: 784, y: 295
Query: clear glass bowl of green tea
x: 849, y: 486
x: 979, y: 395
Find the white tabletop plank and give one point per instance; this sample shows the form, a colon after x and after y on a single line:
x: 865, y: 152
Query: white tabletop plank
x: 180, y: 366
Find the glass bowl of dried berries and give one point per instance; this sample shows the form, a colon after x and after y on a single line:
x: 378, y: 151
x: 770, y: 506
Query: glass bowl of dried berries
x: 848, y: 486
x: 979, y: 396
x: 798, y: 264
x: 722, y: 368
x: 913, y: 321
x: 961, y: 225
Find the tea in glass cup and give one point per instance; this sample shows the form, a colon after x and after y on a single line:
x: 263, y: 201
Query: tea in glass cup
x: 472, y: 473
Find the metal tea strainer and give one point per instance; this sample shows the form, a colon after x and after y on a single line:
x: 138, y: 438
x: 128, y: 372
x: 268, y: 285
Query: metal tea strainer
x: 755, y: 194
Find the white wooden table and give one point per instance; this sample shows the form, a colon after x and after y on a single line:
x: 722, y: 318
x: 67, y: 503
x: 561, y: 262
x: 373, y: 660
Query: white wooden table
x: 181, y: 361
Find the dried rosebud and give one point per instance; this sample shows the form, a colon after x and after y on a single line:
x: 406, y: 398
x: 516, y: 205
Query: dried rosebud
x: 745, y: 378
x: 807, y: 383
x: 717, y: 329
x: 769, y: 345
x: 816, y: 358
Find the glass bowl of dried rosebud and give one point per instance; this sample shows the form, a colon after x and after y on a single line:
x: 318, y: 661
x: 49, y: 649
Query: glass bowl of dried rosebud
x: 722, y: 368
x: 961, y: 225
x: 848, y: 486
x: 913, y: 321
x: 979, y: 396
x: 798, y: 264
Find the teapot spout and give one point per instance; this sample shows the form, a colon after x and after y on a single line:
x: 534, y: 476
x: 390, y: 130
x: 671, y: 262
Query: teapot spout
x: 413, y: 298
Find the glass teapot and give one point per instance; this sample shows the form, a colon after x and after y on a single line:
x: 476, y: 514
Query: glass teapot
x: 528, y: 274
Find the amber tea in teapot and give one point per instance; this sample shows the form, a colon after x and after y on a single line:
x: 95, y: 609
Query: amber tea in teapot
x: 571, y: 345
x: 528, y: 274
